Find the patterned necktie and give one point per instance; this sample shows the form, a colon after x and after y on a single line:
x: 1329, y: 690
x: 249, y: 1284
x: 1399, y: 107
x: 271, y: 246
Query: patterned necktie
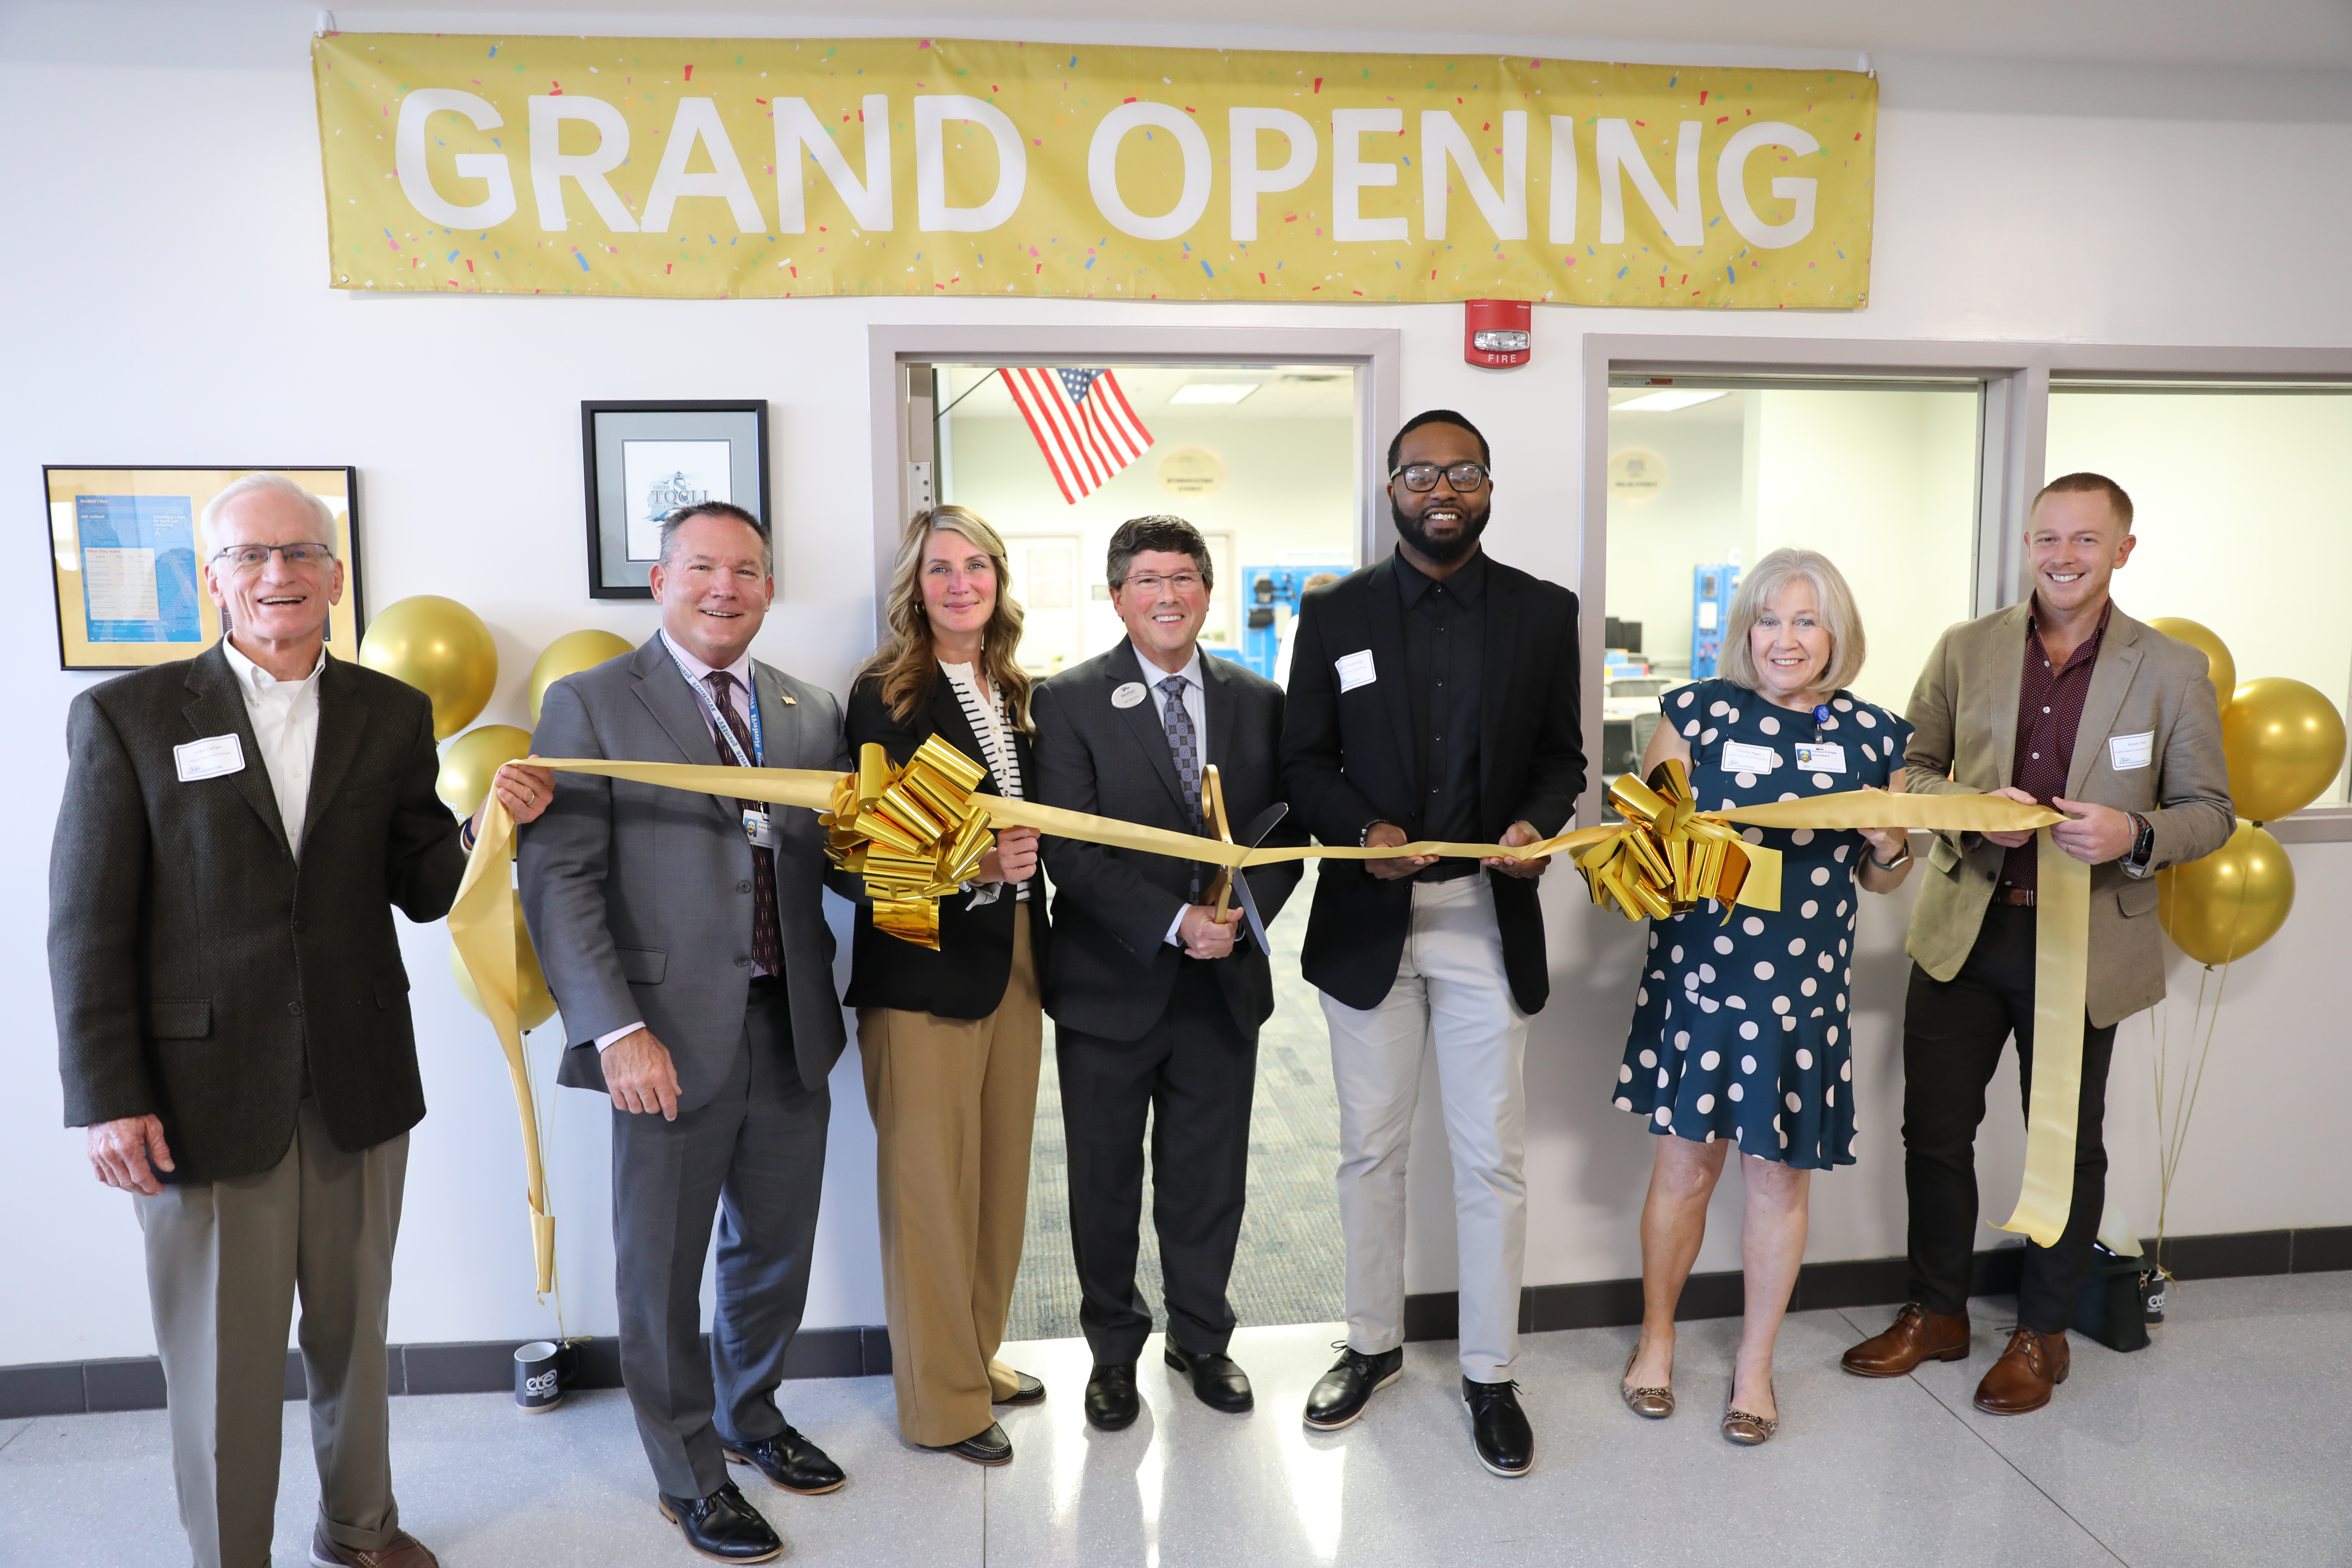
x: 1184, y: 745
x: 766, y: 946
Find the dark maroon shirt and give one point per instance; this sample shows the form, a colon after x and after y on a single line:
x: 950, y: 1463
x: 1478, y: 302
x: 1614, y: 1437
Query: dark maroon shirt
x: 2049, y: 711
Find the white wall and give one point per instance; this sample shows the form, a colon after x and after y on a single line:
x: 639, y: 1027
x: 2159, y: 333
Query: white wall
x: 166, y: 303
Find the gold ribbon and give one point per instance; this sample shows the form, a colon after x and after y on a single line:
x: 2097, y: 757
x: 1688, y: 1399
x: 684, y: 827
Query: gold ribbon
x: 934, y: 808
x: 916, y: 834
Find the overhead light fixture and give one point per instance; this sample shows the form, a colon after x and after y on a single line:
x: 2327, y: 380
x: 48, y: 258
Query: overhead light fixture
x: 1213, y: 391
x: 1664, y: 402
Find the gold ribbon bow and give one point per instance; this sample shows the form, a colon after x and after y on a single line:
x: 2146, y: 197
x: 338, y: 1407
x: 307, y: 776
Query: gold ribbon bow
x: 1668, y: 858
x: 914, y: 833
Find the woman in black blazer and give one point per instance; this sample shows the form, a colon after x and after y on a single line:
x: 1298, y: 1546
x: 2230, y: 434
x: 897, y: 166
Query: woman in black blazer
x: 951, y: 1038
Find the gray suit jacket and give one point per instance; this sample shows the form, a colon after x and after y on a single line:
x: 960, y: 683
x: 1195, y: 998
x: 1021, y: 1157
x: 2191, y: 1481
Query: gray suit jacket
x: 1964, y: 741
x: 198, y: 966
x: 639, y: 898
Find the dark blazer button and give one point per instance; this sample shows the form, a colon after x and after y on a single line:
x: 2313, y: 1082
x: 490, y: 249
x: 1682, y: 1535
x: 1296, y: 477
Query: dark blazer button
x: 742, y: 887
x: 741, y: 961
x: 295, y: 1008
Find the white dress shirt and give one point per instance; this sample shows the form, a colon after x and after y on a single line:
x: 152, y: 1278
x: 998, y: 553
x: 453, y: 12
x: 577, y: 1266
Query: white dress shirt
x: 285, y: 717
x: 740, y: 671
x: 1196, y: 705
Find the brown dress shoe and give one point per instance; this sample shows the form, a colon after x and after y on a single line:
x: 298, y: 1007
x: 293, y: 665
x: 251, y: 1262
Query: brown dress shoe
x: 1915, y: 1335
x: 403, y: 1551
x: 2032, y: 1365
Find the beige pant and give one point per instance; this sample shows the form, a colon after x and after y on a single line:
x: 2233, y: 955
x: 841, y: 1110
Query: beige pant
x: 1450, y: 1001
x: 224, y: 1262
x: 954, y: 1104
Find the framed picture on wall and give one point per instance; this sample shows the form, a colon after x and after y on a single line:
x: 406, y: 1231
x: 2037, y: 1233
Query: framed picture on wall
x: 644, y: 460
x: 128, y: 560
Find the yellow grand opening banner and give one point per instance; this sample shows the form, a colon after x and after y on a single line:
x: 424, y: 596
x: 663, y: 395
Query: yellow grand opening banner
x: 755, y: 168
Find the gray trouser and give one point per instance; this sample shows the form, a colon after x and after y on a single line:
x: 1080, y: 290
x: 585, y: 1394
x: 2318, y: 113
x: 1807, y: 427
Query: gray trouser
x: 223, y: 1261
x: 754, y: 1156
x: 1450, y: 1001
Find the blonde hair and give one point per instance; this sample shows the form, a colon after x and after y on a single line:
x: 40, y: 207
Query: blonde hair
x: 907, y: 663
x: 1759, y: 587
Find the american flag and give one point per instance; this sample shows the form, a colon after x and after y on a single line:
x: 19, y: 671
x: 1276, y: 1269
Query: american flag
x: 1082, y: 422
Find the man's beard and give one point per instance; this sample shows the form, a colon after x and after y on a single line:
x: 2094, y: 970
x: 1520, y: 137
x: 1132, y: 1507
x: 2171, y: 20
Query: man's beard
x: 1443, y: 552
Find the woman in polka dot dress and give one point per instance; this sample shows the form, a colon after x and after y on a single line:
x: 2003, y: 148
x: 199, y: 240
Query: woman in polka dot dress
x: 1740, y: 1032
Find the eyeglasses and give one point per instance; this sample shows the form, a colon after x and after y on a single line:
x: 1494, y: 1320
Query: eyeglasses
x: 1464, y: 476
x: 248, y: 559
x: 1150, y: 582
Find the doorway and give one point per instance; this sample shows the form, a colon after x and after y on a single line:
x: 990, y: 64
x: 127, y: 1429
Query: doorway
x: 1273, y: 457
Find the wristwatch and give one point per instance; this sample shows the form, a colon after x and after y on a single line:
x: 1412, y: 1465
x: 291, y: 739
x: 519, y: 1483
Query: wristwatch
x: 1898, y: 862
x: 2139, y: 862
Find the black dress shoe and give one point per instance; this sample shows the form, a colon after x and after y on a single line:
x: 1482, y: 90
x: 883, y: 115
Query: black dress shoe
x: 987, y: 1448
x: 791, y: 1461
x: 1507, y: 1444
x: 723, y: 1526
x: 1341, y: 1394
x: 1111, y: 1403
x: 1031, y: 1391
x: 1220, y: 1385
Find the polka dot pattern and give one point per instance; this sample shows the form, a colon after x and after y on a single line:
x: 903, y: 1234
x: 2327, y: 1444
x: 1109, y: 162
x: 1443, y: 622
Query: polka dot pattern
x: 1759, y: 1003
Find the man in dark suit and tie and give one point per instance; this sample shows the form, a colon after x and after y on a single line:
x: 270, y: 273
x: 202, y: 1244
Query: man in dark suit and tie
x: 1432, y: 696
x: 1155, y: 998
x: 685, y: 943
x: 233, y: 1018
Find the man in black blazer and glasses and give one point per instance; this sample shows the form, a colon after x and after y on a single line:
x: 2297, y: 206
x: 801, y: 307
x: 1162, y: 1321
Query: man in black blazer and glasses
x: 1156, y: 1000
x: 1432, y: 696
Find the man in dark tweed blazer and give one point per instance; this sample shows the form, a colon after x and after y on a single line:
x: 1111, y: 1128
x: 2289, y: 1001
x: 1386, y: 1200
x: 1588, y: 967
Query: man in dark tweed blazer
x: 233, y: 1018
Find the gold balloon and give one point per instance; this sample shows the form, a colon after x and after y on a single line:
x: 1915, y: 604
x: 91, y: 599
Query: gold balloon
x: 2217, y: 662
x: 440, y: 647
x: 2284, y: 742
x: 473, y: 760
x: 537, y: 1006
x: 2231, y: 902
x: 569, y: 655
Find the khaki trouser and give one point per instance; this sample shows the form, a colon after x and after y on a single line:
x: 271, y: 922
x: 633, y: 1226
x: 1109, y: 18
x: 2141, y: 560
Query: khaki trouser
x: 954, y: 1104
x: 223, y: 1261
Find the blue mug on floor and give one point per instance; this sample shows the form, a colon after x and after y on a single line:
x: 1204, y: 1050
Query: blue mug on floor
x: 538, y: 1385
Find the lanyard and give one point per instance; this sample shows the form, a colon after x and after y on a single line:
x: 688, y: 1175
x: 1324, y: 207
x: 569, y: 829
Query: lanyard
x: 725, y: 730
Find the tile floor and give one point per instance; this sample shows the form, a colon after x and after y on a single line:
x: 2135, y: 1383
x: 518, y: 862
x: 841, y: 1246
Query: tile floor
x: 2224, y: 1444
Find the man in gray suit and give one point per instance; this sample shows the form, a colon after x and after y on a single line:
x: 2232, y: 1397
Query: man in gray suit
x: 233, y: 1018
x: 684, y: 939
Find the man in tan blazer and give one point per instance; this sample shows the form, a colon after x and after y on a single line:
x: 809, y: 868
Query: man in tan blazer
x: 2063, y: 701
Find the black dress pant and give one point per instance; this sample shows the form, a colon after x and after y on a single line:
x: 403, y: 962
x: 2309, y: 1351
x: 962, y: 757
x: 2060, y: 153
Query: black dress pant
x: 1195, y: 1071
x: 1953, y: 1032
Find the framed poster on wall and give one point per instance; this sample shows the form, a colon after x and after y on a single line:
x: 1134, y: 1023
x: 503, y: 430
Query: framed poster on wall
x: 127, y: 560
x: 644, y: 460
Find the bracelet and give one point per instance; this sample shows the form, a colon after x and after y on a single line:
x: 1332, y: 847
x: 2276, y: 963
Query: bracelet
x: 1900, y: 860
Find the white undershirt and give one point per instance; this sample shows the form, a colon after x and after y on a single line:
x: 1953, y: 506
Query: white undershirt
x: 285, y: 718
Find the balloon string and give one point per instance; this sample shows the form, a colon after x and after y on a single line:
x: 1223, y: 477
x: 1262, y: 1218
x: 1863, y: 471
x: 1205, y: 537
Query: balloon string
x: 2192, y: 1084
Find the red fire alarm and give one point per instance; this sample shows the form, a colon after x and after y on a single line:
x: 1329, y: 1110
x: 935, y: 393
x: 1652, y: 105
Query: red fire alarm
x: 1494, y: 333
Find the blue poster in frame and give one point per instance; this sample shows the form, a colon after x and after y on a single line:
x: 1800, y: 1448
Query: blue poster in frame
x: 139, y: 568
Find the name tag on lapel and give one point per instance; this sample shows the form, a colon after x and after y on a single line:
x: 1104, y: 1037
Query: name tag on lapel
x: 2126, y: 752
x: 1128, y: 695
x: 1354, y: 669
x: 209, y: 758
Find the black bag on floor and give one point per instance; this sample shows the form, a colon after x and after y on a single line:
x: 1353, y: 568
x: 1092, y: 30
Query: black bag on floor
x: 2111, y: 1308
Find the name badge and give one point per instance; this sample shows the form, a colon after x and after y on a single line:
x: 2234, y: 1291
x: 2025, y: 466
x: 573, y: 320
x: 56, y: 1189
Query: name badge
x: 1821, y: 757
x: 1128, y: 695
x: 1354, y: 669
x: 2126, y: 752
x: 758, y: 828
x: 1739, y: 757
x: 209, y: 758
